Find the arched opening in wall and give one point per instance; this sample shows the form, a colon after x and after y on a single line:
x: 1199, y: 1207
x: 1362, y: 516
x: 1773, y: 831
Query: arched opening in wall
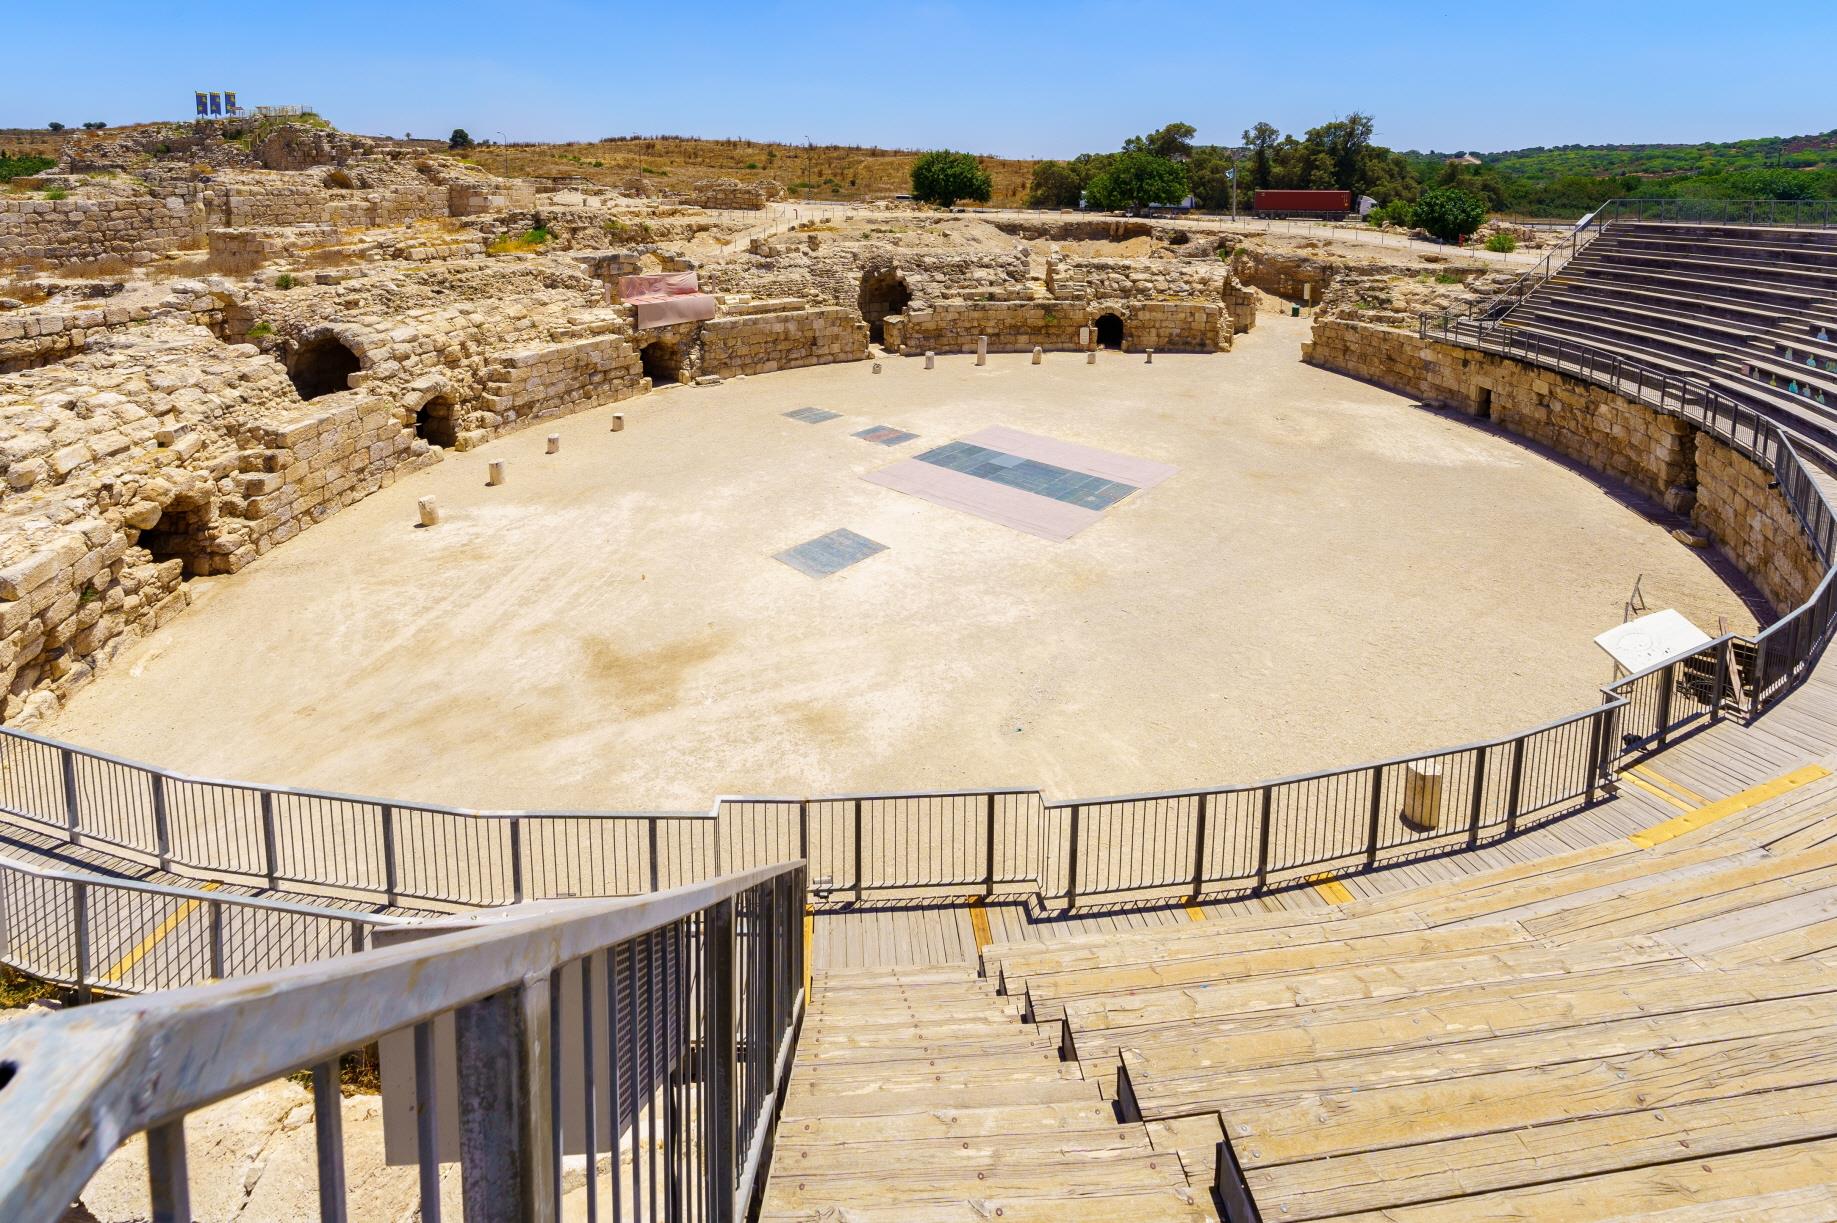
x: 1109, y: 331
x: 662, y: 362
x: 882, y: 293
x: 1483, y: 404
x: 181, y: 533
x: 437, y: 422
x: 322, y: 366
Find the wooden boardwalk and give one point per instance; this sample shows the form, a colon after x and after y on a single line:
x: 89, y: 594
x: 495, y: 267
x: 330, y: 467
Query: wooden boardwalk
x: 1716, y: 763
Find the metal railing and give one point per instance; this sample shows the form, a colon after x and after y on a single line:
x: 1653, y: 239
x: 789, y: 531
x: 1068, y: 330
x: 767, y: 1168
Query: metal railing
x: 663, y: 1025
x: 121, y: 936
x: 1820, y: 214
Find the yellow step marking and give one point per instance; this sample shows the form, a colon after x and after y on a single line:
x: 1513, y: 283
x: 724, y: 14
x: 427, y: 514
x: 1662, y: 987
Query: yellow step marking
x: 1331, y: 889
x: 1711, y: 812
x: 1195, y: 913
x: 125, y: 964
x: 809, y: 938
x: 1662, y: 795
x: 1659, y: 779
x: 979, y: 924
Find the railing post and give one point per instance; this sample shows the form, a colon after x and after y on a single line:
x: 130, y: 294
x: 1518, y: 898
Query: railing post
x: 168, y: 1178
x: 650, y: 838
x: 1071, y: 858
x: 162, y: 827
x: 859, y: 857
x: 1199, y: 847
x: 1722, y: 682
x: 79, y: 900
x: 516, y: 859
x: 328, y: 1141
x: 1514, y: 789
x: 1669, y: 678
x: 718, y: 1092
x: 73, y: 819
x: 1374, y: 816
x: 357, y: 936
x: 1596, y: 753
x: 803, y: 829
x: 270, y: 854
x: 216, y: 940
x: 1479, y: 795
x: 506, y: 1132
x: 1263, y: 822
x: 988, y: 845
x: 1760, y: 676
x: 389, y: 879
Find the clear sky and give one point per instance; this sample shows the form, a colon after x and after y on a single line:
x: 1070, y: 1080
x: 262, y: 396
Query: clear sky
x: 1016, y: 79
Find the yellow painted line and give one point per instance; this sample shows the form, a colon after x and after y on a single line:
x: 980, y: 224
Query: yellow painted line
x: 809, y: 938
x: 1662, y: 795
x: 1711, y: 812
x: 979, y: 924
x: 141, y: 949
x: 1659, y: 779
x: 1195, y: 913
x: 1330, y: 888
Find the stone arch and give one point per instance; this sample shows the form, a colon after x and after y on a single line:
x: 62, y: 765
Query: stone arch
x: 663, y: 362
x: 883, y: 292
x: 437, y: 421
x: 1110, y: 331
x: 321, y: 364
x: 182, y: 532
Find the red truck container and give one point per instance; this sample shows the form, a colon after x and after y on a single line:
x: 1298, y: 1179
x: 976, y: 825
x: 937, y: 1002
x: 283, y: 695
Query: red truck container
x: 1303, y: 203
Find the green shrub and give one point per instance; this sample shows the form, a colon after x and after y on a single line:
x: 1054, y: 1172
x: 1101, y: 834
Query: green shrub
x: 942, y: 177
x: 1449, y: 213
x: 56, y: 193
x: 24, y: 165
x: 261, y: 330
x: 1503, y: 243
x: 285, y: 281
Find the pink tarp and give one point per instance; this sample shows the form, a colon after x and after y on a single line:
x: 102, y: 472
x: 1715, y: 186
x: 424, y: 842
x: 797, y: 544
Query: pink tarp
x: 663, y: 298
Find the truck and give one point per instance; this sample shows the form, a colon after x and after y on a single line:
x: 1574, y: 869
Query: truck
x: 1319, y: 204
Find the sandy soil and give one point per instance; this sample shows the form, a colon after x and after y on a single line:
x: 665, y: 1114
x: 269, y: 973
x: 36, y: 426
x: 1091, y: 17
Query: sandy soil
x: 1334, y: 575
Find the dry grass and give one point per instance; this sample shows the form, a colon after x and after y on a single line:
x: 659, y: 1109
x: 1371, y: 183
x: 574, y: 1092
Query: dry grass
x: 838, y: 172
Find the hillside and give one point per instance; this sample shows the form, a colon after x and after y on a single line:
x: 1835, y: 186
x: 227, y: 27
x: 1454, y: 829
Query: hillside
x: 838, y: 172
x: 1665, y: 160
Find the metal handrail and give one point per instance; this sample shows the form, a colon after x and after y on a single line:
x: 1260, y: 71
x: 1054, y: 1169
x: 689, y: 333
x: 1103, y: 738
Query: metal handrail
x: 124, y: 936
x: 703, y: 987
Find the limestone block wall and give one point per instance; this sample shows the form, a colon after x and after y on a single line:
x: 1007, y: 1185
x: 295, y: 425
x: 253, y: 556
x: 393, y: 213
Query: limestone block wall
x: 1177, y: 326
x: 1755, y: 522
x: 1054, y: 325
x: 30, y: 338
x: 1136, y: 279
x: 762, y: 343
x: 551, y: 380
x: 1650, y: 450
x: 134, y: 227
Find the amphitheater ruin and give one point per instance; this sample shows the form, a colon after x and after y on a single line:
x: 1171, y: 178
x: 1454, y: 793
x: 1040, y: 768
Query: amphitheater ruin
x: 876, y: 712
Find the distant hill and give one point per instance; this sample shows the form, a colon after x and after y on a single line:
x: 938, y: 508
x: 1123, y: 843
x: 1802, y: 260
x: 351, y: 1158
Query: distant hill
x: 1817, y: 152
x: 833, y: 172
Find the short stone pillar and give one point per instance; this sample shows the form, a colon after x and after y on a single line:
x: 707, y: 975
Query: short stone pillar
x: 982, y: 350
x: 430, y: 511
x: 1090, y: 357
x: 1084, y: 337
x: 931, y: 360
x: 554, y: 443
x: 1422, y: 794
x: 618, y: 422
x: 494, y: 472
x: 1151, y: 357
x: 1037, y: 351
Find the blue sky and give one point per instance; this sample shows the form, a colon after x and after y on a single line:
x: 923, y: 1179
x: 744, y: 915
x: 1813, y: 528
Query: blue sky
x: 1016, y: 79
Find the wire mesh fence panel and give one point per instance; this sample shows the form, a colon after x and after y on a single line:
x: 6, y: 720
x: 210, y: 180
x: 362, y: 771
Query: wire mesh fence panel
x: 1137, y: 844
x: 214, y: 826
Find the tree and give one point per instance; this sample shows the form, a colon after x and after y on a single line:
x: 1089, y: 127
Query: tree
x: 943, y: 177
x: 56, y: 127
x: 1208, y: 176
x: 1133, y: 179
x: 460, y: 139
x: 1346, y: 146
x: 1449, y: 213
x: 1055, y: 184
x: 94, y: 125
x: 1173, y: 142
x: 1261, y: 140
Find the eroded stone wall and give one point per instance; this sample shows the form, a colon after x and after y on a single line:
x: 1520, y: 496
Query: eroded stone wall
x: 1754, y: 523
x: 763, y: 343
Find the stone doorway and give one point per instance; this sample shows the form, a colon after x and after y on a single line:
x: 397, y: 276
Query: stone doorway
x: 181, y: 533
x: 662, y: 362
x: 322, y: 366
x: 882, y: 294
x: 1109, y: 331
x: 437, y: 422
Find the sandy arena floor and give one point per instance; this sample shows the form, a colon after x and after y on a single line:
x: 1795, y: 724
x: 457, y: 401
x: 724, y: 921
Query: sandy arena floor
x: 1333, y: 575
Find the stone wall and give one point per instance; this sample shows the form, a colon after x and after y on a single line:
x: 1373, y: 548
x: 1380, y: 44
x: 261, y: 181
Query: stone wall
x: 550, y: 380
x: 1054, y: 325
x: 762, y: 343
x: 1661, y: 455
x: 137, y: 228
